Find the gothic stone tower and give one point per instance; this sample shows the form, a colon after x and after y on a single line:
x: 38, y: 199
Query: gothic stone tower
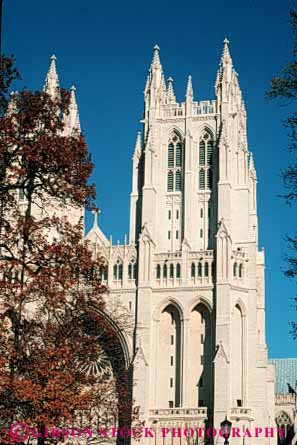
x: 200, y: 292
x: 192, y: 275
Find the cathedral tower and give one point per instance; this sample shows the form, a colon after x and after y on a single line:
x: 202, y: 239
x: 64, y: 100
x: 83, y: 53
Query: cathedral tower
x: 192, y: 274
x: 200, y: 295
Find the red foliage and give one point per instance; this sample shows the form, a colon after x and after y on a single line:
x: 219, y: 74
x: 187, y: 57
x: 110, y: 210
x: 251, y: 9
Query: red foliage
x: 51, y: 296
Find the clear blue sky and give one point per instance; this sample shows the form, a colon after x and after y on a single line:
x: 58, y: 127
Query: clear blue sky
x: 105, y: 49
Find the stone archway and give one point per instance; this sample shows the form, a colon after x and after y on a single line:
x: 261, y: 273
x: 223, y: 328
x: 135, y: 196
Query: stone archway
x: 113, y: 370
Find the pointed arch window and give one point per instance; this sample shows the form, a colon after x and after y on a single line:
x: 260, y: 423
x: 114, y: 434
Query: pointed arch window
x: 132, y: 270
x: 178, y: 270
x: 118, y: 271
x: 174, y: 163
x: 206, y: 155
x: 171, y: 271
x: 193, y: 270
x: 103, y: 272
x: 199, y: 270
x: 165, y: 271
x: 206, y: 269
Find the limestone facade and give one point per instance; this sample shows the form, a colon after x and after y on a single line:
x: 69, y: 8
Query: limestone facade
x: 192, y: 274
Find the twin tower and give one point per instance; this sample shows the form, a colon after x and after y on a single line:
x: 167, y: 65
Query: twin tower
x: 191, y: 274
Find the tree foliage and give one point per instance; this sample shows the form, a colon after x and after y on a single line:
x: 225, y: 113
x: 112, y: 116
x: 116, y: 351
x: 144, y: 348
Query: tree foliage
x: 53, y: 366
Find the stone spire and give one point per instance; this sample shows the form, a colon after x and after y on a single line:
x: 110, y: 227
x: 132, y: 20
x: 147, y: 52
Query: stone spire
x: 226, y: 65
x: 228, y: 92
x: 156, y: 63
x: 51, y: 85
x: 226, y: 56
x: 73, y: 108
x: 154, y: 81
x: 137, y: 150
x: 170, y: 93
x: 72, y: 121
x: 189, y: 93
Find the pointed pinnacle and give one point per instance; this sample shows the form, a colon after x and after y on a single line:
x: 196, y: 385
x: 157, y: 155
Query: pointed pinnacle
x: 72, y: 121
x: 189, y: 92
x: 73, y: 103
x: 96, y: 213
x: 137, y: 150
x: 52, y: 81
x: 170, y: 92
x: 156, y: 58
x: 226, y: 52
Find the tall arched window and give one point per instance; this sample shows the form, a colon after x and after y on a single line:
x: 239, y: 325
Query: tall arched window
x: 165, y: 271
x: 193, y: 270
x: 171, y: 271
x: 240, y: 270
x: 169, y: 369
x: 118, y: 271
x: 206, y: 146
x: 178, y: 270
x: 103, y: 272
x: 200, y: 270
x: 174, y: 164
x: 132, y: 270
x: 235, y: 269
x: 206, y: 269
x: 158, y: 272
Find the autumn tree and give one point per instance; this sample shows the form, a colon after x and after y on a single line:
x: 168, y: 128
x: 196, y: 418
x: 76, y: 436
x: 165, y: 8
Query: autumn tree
x: 284, y: 90
x: 54, y: 339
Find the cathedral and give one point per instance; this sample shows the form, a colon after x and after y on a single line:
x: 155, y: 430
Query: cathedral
x: 191, y: 274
